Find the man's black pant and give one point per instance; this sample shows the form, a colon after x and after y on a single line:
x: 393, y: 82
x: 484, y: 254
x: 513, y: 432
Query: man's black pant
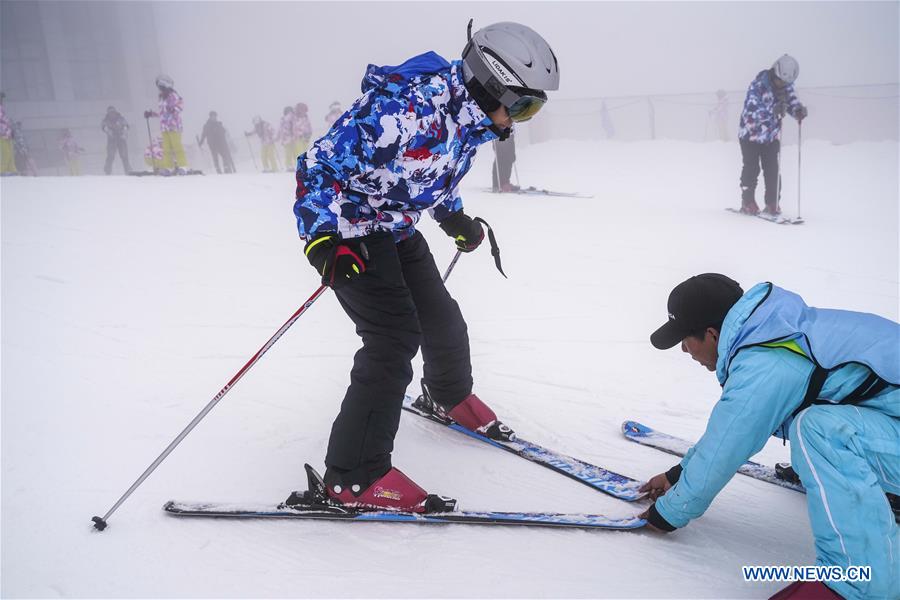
x: 225, y: 153
x: 754, y: 155
x: 398, y: 303
x: 113, y: 145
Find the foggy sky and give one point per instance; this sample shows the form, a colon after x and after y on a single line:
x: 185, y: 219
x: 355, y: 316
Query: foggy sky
x: 246, y: 58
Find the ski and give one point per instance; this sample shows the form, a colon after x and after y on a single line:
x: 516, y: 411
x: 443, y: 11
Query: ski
x: 533, y: 191
x: 772, y: 219
x: 337, y: 513
x: 160, y: 174
x: 662, y: 441
x: 598, y: 478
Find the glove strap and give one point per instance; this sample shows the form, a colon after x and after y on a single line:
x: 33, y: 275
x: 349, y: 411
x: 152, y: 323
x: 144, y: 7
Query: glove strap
x: 495, y: 249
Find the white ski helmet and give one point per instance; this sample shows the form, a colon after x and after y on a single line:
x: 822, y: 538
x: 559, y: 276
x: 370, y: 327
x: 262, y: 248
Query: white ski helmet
x: 164, y: 81
x: 786, y: 68
x: 513, y: 64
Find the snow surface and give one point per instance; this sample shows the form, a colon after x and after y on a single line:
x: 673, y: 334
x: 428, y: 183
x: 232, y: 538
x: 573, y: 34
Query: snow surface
x: 127, y: 303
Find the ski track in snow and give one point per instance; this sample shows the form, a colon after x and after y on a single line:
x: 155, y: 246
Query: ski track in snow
x: 129, y: 302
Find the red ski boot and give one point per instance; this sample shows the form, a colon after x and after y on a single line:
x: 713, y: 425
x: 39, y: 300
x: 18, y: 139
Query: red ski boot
x: 807, y: 590
x: 392, y: 491
x: 477, y: 416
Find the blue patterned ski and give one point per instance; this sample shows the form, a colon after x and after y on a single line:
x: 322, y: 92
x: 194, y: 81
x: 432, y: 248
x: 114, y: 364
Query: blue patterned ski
x: 250, y: 511
x: 646, y: 436
x: 598, y: 478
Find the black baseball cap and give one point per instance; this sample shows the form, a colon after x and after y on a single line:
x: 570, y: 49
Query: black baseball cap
x: 700, y: 302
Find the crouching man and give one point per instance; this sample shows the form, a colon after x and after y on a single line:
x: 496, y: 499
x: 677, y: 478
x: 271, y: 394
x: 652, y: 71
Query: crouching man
x: 828, y: 381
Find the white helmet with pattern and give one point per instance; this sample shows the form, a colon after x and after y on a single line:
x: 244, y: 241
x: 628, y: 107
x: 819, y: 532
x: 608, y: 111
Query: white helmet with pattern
x: 786, y: 68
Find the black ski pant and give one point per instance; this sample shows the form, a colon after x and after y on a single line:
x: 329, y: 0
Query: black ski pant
x: 399, y: 303
x: 765, y: 155
x: 113, y: 145
x: 225, y: 153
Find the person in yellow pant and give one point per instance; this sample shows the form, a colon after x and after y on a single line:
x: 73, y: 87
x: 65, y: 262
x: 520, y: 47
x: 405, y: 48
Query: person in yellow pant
x: 71, y: 150
x: 266, y: 135
x: 269, y: 160
x: 173, y: 151
x: 7, y: 152
x: 302, y: 130
x: 170, y: 107
x: 7, y: 157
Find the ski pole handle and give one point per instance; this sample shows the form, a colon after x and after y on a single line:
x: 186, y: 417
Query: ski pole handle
x: 100, y: 522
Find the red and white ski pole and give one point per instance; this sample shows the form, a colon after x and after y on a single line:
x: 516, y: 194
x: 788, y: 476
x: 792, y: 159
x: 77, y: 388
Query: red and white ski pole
x: 100, y: 522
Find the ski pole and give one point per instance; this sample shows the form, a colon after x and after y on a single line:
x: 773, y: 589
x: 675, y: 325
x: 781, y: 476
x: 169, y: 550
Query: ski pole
x: 253, y: 156
x: 150, y: 139
x: 799, y: 146
x: 451, y: 265
x: 100, y: 522
x: 495, y: 252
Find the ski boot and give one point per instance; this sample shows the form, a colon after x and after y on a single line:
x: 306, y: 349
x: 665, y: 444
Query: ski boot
x: 807, y: 590
x: 471, y: 413
x: 786, y: 472
x: 393, y: 491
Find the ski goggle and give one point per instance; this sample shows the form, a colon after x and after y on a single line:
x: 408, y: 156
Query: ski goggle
x: 529, y: 103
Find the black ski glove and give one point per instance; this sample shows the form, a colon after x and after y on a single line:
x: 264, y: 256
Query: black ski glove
x: 802, y: 112
x: 338, y: 261
x: 466, y: 231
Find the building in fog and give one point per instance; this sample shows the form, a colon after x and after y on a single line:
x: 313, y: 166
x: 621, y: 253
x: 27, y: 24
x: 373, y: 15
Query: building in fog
x: 63, y: 63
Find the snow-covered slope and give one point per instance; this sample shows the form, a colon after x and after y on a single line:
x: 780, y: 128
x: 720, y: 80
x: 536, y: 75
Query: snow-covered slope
x: 128, y: 303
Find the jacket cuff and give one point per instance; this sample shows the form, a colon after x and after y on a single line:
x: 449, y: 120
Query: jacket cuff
x: 674, y: 474
x: 655, y: 519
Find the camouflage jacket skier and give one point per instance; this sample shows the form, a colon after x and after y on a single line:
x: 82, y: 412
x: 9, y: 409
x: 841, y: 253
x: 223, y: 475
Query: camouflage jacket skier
x: 170, y: 107
x: 402, y: 148
x: 760, y: 119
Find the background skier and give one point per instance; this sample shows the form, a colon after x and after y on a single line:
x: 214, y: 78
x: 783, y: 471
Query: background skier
x: 366, y: 246
x: 7, y: 151
x: 504, y: 157
x: 266, y: 135
x: 827, y: 380
x: 115, y: 127
x: 769, y: 97
x: 215, y: 133
x: 170, y: 107
x: 24, y: 162
x: 302, y: 130
x: 287, y: 138
x: 71, y: 151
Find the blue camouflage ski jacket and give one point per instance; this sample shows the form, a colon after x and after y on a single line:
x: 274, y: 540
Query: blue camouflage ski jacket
x: 402, y: 148
x: 760, y: 121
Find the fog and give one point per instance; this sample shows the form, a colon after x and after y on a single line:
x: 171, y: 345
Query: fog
x: 247, y: 58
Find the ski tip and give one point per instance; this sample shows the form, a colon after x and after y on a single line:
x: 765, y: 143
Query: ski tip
x: 633, y: 428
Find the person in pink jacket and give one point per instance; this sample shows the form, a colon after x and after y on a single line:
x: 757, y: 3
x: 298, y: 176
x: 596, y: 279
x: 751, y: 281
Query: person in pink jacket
x: 287, y: 138
x: 265, y: 132
x: 71, y: 150
x: 302, y: 129
x: 170, y: 106
x: 7, y: 152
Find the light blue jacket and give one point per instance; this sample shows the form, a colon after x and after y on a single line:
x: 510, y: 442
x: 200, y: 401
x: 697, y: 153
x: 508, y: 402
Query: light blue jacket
x: 763, y: 385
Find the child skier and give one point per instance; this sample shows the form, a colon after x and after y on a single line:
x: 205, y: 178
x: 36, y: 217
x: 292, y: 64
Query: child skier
x: 170, y: 106
x: 401, y: 149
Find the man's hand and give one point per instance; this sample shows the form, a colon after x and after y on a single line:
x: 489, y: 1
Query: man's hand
x: 802, y: 112
x: 657, y: 486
